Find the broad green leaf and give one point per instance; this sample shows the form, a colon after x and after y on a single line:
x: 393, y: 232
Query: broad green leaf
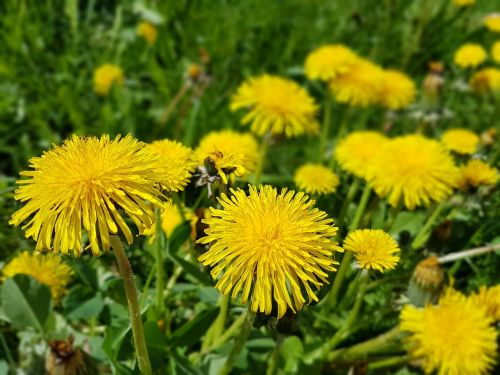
x: 291, y: 351
x: 192, y: 331
x: 408, y: 221
x: 88, y: 309
x: 26, y: 302
x: 191, y: 269
x: 156, y: 343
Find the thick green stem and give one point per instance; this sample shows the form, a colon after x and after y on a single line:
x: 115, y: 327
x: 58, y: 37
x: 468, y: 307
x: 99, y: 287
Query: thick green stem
x: 361, y: 208
x: 353, y: 189
x: 220, y: 322
x: 160, y: 273
x: 389, y: 362
x: 239, y: 343
x: 423, y: 235
x: 272, y: 363
x: 325, y: 129
x: 228, y: 333
x: 264, y: 147
x: 141, y: 349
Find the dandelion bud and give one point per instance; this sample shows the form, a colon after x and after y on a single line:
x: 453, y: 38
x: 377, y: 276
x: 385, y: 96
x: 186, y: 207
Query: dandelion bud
x: 428, y: 274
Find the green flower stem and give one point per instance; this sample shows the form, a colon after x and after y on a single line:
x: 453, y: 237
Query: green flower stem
x: 220, y: 321
x: 361, y: 208
x: 353, y: 189
x: 141, y: 349
x: 325, y: 128
x: 228, y: 333
x: 264, y: 147
x: 272, y: 363
x: 423, y: 235
x: 239, y: 343
x: 389, y: 362
x: 160, y: 272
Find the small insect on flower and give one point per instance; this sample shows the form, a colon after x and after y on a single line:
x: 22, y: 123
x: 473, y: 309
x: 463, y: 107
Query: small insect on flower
x: 329, y: 61
x: 489, y: 300
x: 462, y: 141
x: 148, y: 31
x: 373, y: 249
x: 397, y: 90
x: 470, y: 55
x: 105, y: 77
x: 47, y: 269
x: 476, y: 173
x: 485, y: 80
x: 269, y: 245
x: 316, y: 179
x: 414, y: 169
x: 276, y: 105
x: 454, y: 337
x: 87, y: 184
x: 492, y: 22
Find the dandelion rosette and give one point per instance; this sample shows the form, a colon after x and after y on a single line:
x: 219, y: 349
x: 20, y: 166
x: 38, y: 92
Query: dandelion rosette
x: 47, y: 269
x: 316, y: 179
x: 489, y: 299
x: 269, y: 245
x: 355, y: 152
x: 476, y: 173
x: 232, y: 153
x: 105, y: 77
x: 492, y: 22
x: 87, y: 184
x: 454, y: 337
x: 148, y: 31
x: 276, y: 105
x: 373, y: 249
x: 397, y: 90
x: 462, y: 141
x: 414, y: 169
x: 175, y: 162
x: 470, y: 55
x: 328, y: 62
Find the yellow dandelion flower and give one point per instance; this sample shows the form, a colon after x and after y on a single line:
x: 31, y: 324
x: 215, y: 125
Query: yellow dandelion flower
x: 171, y: 218
x: 105, y: 77
x: 397, y: 90
x: 316, y: 179
x: 361, y: 86
x: 232, y: 153
x: 461, y: 141
x: 47, y: 269
x: 414, y: 169
x: 476, y: 173
x: 148, y: 31
x: 492, y: 22
x: 269, y: 245
x: 454, y: 337
x: 373, y: 249
x: 176, y: 161
x: 276, y: 105
x: 355, y: 151
x: 329, y: 61
x: 464, y: 3
x: 495, y: 51
x: 87, y: 184
x: 485, y: 80
x: 470, y: 55
x: 489, y: 300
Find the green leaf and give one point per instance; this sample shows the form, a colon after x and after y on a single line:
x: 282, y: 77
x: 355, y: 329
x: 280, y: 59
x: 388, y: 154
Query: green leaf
x: 408, y: 221
x: 4, y: 368
x: 291, y: 351
x: 88, y: 309
x: 190, y: 332
x: 156, y: 343
x: 26, y: 302
x: 179, y: 236
x: 191, y: 269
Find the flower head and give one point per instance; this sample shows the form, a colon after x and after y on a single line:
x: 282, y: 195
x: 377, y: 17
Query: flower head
x: 476, y: 173
x: 269, y: 245
x: 428, y: 273
x: 397, y: 90
x: 495, y: 51
x: 329, y: 61
x: 47, y: 269
x: 373, y: 249
x: 452, y: 338
x: 355, y: 151
x: 105, y: 77
x: 316, y: 179
x: 360, y: 86
x: 176, y: 162
x: 492, y: 22
x: 489, y: 300
x: 87, y: 184
x: 232, y: 153
x: 470, y: 55
x: 148, y: 31
x: 462, y: 141
x: 414, y: 169
x: 171, y: 218
x: 276, y: 105
x: 463, y: 3
x: 485, y: 80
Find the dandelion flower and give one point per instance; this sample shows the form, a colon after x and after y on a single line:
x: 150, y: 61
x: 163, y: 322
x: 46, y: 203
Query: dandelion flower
x: 373, y: 249
x: 361, y: 86
x: 414, y: 169
x: 232, y: 153
x: 269, y: 245
x: 428, y: 273
x: 489, y: 300
x: 276, y: 105
x: 454, y: 337
x: 476, y: 173
x: 87, y: 184
x: 327, y: 62
x: 464, y: 3
x: 462, y: 141
x: 105, y: 77
x: 316, y: 179
x: 355, y: 151
x: 148, y: 31
x: 492, y: 22
x: 171, y: 218
x: 485, y: 80
x: 176, y: 161
x: 495, y: 51
x: 47, y: 269
x: 470, y: 55
x: 397, y: 90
